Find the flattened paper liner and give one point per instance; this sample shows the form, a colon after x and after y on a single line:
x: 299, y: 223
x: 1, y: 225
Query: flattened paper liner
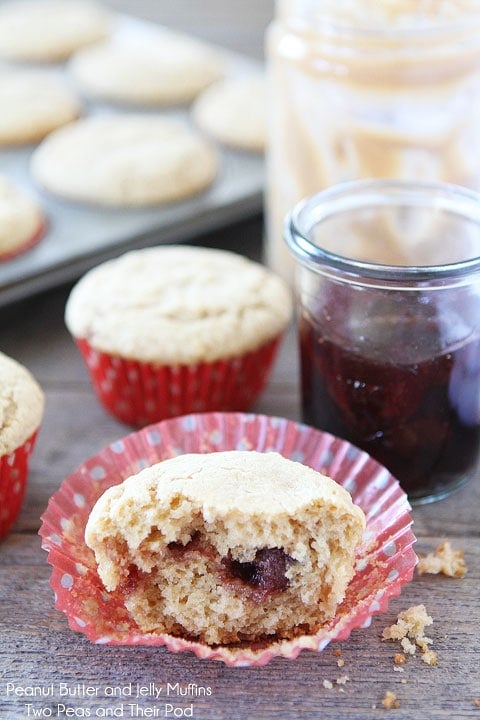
x: 385, y: 560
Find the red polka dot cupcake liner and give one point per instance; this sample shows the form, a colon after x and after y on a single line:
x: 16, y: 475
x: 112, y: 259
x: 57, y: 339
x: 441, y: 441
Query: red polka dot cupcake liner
x: 385, y: 560
x: 140, y: 393
x: 13, y: 481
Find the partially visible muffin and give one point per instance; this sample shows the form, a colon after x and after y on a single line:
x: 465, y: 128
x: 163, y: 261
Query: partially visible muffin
x: 164, y: 69
x: 21, y: 413
x: 234, y: 112
x: 124, y: 160
x: 33, y: 103
x: 177, y: 329
x: 49, y: 30
x: 227, y: 547
x: 22, y: 221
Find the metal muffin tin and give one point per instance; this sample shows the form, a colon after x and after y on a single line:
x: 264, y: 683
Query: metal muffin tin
x: 80, y: 236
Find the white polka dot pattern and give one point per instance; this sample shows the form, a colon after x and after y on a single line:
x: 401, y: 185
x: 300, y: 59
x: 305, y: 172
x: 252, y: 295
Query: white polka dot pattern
x: 142, y: 393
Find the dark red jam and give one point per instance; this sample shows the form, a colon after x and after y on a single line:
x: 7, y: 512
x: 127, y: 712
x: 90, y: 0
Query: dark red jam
x: 264, y: 576
x: 195, y: 544
x: 132, y: 580
x: 421, y: 419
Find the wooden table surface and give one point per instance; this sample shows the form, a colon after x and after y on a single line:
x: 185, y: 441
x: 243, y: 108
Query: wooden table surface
x: 38, y: 649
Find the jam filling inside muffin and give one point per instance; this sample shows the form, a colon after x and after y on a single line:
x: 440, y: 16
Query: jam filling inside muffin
x: 265, y: 574
x: 258, y: 579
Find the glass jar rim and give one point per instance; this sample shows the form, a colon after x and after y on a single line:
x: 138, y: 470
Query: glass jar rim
x: 367, y: 193
x: 328, y: 26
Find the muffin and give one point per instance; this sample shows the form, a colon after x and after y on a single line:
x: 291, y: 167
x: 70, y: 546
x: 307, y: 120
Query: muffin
x: 21, y: 412
x: 49, y: 30
x: 34, y: 103
x: 124, y: 160
x: 220, y: 111
x: 227, y: 547
x: 175, y: 329
x: 22, y: 221
x: 164, y: 69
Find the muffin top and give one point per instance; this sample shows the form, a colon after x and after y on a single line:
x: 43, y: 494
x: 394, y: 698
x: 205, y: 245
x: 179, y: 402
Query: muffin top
x: 125, y: 160
x: 220, y: 112
x: 225, y: 483
x: 21, y: 405
x: 178, y: 305
x: 33, y: 104
x: 251, y: 494
x: 163, y: 69
x: 49, y: 30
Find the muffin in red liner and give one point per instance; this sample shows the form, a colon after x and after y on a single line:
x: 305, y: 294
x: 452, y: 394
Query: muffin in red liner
x: 21, y: 412
x: 385, y: 560
x: 22, y: 223
x: 171, y: 330
x: 28, y: 245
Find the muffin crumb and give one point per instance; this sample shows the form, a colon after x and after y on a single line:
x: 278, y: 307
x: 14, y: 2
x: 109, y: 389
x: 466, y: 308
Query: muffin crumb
x: 408, y: 647
x: 409, y: 630
x: 443, y: 560
x: 327, y: 684
x: 399, y: 659
x: 390, y: 701
x: 429, y: 657
x: 410, y: 623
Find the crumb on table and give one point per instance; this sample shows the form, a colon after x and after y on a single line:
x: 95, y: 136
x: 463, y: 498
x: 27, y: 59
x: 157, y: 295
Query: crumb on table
x: 390, y: 700
x: 443, y: 560
x: 409, y: 630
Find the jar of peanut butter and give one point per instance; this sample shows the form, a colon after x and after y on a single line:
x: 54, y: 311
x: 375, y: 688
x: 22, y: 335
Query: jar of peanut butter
x: 369, y: 89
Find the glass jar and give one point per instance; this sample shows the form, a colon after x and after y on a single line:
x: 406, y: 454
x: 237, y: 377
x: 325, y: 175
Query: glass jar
x: 390, y: 350
x: 369, y: 89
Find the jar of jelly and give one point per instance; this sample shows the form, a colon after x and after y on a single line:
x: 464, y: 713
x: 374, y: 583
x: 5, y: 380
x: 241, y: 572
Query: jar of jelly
x: 388, y: 308
x: 369, y: 89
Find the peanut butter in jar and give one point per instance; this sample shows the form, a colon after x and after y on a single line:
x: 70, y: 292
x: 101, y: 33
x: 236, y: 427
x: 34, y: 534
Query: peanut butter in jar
x: 369, y: 89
